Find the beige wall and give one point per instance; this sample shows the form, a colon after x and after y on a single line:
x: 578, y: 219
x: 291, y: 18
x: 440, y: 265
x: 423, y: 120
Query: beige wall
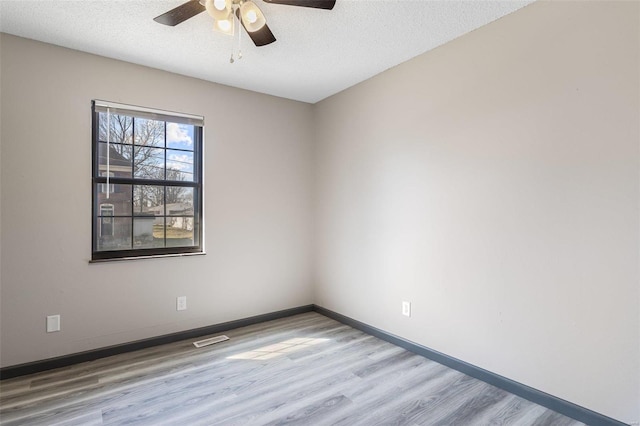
x: 257, y: 204
x: 494, y: 183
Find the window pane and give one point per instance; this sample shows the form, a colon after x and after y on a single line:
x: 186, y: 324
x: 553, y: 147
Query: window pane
x: 179, y: 231
x: 179, y: 165
x: 148, y: 232
x: 113, y: 233
x: 179, y: 201
x: 120, y: 128
x: 149, y: 132
x: 119, y: 198
x: 148, y: 200
x: 119, y: 160
x: 149, y: 163
x: 180, y: 136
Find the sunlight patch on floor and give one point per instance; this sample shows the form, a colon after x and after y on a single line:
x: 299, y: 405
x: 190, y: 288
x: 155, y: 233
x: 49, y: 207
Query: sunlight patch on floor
x: 278, y: 349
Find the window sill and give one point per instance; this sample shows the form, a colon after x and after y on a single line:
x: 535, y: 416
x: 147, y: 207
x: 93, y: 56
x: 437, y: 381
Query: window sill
x: 156, y: 256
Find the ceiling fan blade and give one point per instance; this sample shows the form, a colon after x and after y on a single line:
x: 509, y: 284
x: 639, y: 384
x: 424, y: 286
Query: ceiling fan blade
x: 262, y: 37
x: 180, y: 13
x: 318, y: 4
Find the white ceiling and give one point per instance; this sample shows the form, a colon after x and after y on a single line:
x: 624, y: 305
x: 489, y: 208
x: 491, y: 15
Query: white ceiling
x: 317, y: 53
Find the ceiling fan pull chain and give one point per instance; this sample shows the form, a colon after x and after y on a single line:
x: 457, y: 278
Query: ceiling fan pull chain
x: 231, y: 60
x: 239, y: 40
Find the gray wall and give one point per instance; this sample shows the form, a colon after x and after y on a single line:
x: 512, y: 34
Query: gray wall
x: 257, y: 206
x: 493, y: 182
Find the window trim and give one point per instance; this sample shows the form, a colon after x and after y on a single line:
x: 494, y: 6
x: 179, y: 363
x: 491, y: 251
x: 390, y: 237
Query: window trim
x: 99, y: 181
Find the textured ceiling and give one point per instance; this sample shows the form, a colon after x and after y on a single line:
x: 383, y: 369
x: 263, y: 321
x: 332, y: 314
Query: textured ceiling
x: 317, y: 53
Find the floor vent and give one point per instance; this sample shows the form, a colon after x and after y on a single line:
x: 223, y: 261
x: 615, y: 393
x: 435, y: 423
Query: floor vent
x: 210, y: 341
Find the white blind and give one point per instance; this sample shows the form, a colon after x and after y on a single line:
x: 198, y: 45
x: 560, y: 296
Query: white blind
x: 149, y: 113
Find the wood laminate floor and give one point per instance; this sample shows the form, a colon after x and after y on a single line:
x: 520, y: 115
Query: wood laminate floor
x: 302, y: 370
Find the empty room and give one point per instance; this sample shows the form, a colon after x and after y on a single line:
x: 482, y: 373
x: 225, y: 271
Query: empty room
x: 319, y: 212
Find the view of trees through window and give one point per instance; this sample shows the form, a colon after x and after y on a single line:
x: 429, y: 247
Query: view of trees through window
x: 146, y: 187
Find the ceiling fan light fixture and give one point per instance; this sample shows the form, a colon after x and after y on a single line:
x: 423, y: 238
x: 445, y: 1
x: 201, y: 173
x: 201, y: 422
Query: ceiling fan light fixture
x: 218, y: 9
x: 252, y: 17
x: 225, y: 26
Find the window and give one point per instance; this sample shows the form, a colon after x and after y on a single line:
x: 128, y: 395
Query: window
x: 147, y: 182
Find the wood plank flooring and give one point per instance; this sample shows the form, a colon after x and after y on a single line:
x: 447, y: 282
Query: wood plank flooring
x: 302, y: 370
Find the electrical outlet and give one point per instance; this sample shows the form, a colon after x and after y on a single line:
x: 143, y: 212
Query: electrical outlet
x: 181, y: 303
x: 53, y: 323
x: 406, y: 309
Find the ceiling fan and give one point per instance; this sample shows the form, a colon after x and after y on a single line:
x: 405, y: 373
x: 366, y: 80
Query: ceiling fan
x: 246, y: 11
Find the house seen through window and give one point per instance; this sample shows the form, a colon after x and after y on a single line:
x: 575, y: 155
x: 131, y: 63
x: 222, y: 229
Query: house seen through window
x: 147, y: 182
